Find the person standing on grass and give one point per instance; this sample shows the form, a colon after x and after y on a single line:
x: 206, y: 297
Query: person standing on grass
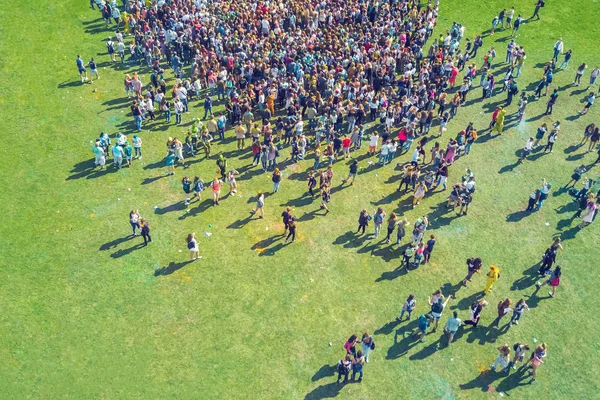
x: 420, y: 191
x: 134, y: 220
x: 352, y: 172
x: 473, y: 267
x: 231, y: 181
x: 292, y: 227
x: 492, y: 276
x: 198, y: 187
x: 503, y: 359
x: 408, y: 307
x: 186, y: 183
x: 526, y: 150
x: 520, y: 350
x: 544, y: 191
x: 541, y: 131
x: 418, y: 255
x: 590, y: 211
x: 499, y: 124
x: 286, y: 215
x: 117, y: 152
x: 276, y: 178
x: 378, y: 221
x: 476, y: 309
x: 579, y: 74
x: 363, y: 221
x: 558, y: 49
x: 429, y: 249
x: 566, y: 59
x: 373, y: 143
x: 350, y: 346
x: 452, y: 326
x: 145, y: 232
x: 216, y: 189
x: 537, y: 359
x: 137, y: 146
x: 367, y: 345
x: 518, y: 311
x: 357, y: 366
x: 260, y: 203
x: 100, y: 158
x: 401, y: 231
x: 553, y: 281
x: 551, y: 102
x: 344, y: 367
x: 192, y: 246
x: 437, y: 308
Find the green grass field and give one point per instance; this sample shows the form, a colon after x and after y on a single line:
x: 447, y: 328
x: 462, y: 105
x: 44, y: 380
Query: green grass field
x: 84, y: 316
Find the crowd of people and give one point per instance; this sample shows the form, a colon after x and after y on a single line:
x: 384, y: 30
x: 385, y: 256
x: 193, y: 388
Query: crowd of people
x: 319, y: 78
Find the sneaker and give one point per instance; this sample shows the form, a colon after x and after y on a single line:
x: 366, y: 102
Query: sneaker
x: 538, y: 285
x: 516, y: 322
x: 550, y: 294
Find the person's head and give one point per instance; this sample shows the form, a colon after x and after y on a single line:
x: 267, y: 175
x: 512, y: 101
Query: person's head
x: 379, y: 210
x: 352, y: 339
x: 455, y: 314
x: 190, y: 237
x: 557, y: 271
x: 483, y: 303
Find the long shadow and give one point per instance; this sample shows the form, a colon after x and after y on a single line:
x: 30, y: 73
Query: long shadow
x: 439, y: 218
x: 148, y: 181
x: 263, y: 244
x: 533, y: 300
x: 305, y: 200
x: 572, y: 148
x: 562, y: 190
x: 172, y: 267
x: 451, y: 289
x: 517, y: 216
x: 575, y: 157
x: 323, y: 372
x: 529, y: 278
x: 203, y: 206
x: 327, y: 391
x: 407, y: 341
x: 388, y: 328
x: 179, y: 206
x: 88, y: 169
x: 272, y: 250
x: 240, y: 223
x: 393, y: 274
x: 508, y: 168
x: 465, y: 302
x: 395, y: 195
x: 67, y: 84
x: 482, y: 381
x: 124, y: 252
x: 115, y: 243
x: 569, y: 234
x: 311, y: 215
x: 518, y: 378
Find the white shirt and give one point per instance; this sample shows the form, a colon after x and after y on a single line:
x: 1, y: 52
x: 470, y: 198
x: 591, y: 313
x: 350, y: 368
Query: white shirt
x: 373, y: 140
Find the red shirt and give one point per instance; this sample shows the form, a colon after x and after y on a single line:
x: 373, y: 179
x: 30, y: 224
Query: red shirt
x: 346, y: 143
x: 402, y: 134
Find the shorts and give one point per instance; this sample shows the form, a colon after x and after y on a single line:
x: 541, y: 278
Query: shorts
x: 81, y: 69
x: 372, y: 148
x: 436, y: 315
x: 231, y: 182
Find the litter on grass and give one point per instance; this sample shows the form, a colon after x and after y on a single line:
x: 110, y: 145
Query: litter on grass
x: 207, y: 234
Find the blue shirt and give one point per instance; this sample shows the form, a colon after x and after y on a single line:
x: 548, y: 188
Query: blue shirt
x: 423, y: 323
x: 79, y: 62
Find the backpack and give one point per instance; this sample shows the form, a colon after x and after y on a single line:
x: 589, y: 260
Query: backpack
x: 437, y: 308
x: 190, y: 245
x: 343, y: 369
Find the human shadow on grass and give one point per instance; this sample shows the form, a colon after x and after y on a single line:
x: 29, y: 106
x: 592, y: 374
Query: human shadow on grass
x: 240, y: 223
x: 202, y: 206
x: 115, y: 243
x: 509, y: 167
x: 440, y: 216
x: 388, y: 328
x: 148, y: 181
x: 517, y: 215
x: 324, y: 372
x: 451, y: 289
x: 302, y: 201
x: 407, y: 341
x: 393, y: 274
x: 67, y: 84
x: 123, y: 252
x: 179, y: 206
x: 529, y: 278
x: 575, y: 157
x: 572, y: 148
x: 312, y: 214
x: 439, y: 345
x: 465, y: 302
x: 351, y: 239
x: 390, y: 198
x: 327, y: 391
x: 87, y: 169
x: 172, y: 267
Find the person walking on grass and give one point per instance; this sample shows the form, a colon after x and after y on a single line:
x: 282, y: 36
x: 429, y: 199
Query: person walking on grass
x: 423, y: 324
x: 363, y: 221
x: 81, y: 69
x: 437, y: 308
x: 473, y: 267
x: 231, y: 181
x: 145, y: 232
x: 536, y: 13
x: 518, y: 311
x: 378, y: 221
x: 401, y: 231
x: 391, y: 225
x: 503, y: 309
x: 492, y: 276
x: 186, y: 184
x: 553, y: 281
x: 408, y: 307
x: 476, y: 309
x: 544, y: 191
x: 452, y: 326
x: 291, y: 225
x: 428, y: 249
x: 589, y: 102
x: 352, y: 172
x: 260, y: 203
x: 536, y: 359
x: 419, y: 193
x: 526, y: 150
x: 367, y: 345
x: 503, y: 359
x: 551, y: 102
x: 192, y: 246
x: 579, y: 73
x: 198, y: 187
x: 499, y: 123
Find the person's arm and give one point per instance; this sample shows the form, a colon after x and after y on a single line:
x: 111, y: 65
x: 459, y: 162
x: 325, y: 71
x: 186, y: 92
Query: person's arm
x: 447, y: 300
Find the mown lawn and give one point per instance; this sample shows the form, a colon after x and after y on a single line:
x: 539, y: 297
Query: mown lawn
x: 84, y: 314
